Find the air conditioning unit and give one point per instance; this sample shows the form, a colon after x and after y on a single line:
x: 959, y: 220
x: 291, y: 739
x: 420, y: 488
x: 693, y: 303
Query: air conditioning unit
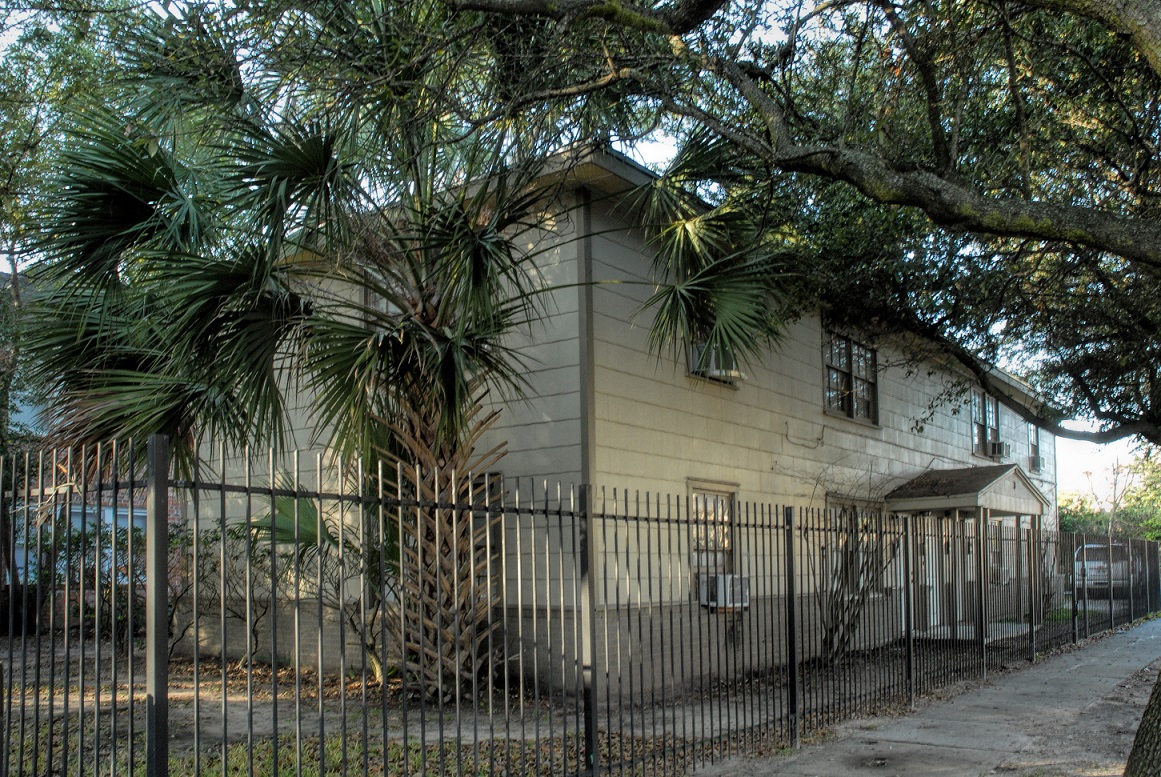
x: 723, y: 592
x: 999, y: 450
x: 717, y: 365
x: 1035, y: 463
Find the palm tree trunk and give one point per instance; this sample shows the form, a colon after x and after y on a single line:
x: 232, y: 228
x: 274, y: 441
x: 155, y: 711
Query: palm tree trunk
x: 447, y: 618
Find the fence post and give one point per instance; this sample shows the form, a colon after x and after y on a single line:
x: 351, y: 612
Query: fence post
x: 792, y: 634
x: 908, y: 610
x: 1148, y: 578
x: 1109, y: 551
x: 588, y: 626
x: 157, y: 608
x: 1073, y: 583
x: 1129, y: 575
x: 1084, y: 581
x: 5, y: 690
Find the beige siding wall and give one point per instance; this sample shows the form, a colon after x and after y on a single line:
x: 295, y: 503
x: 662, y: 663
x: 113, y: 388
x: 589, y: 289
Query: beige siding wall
x: 658, y: 428
x: 655, y: 428
x: 543, y: 429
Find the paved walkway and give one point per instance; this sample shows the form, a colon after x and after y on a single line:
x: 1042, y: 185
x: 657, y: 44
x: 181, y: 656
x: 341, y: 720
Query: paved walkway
x: 1071, y: 715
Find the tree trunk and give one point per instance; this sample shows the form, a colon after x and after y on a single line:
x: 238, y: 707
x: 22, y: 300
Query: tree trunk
x: 447, y: 620
x: 1145, y: 757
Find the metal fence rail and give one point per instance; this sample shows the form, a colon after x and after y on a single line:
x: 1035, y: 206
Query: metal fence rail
x: 307, y: 617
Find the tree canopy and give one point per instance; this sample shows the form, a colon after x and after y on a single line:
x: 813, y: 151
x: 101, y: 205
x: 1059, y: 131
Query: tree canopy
x: 53, y: 63
x: 981, y: 173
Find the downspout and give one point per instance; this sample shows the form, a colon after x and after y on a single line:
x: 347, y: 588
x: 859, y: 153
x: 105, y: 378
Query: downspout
x: 585, y: 325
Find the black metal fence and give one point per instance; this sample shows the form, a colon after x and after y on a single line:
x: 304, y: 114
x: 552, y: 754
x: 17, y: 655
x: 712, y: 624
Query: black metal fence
x: 322, y: 619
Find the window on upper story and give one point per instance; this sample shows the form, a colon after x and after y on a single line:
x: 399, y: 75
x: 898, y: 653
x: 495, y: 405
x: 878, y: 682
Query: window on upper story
x: 852, y: 387
x: 1035, y: 462
x: 715, y: 364
x: 985, y: 423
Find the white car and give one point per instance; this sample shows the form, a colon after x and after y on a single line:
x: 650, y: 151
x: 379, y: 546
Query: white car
x: 1095, y: 575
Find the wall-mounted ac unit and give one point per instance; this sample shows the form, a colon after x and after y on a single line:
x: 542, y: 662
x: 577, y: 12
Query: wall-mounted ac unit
x: 723, y: 592
x: 999, y: 450
x: 717, y: 364
x: 1035, y: 463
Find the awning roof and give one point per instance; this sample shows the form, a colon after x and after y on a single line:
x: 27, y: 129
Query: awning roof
x: 1004, y: 489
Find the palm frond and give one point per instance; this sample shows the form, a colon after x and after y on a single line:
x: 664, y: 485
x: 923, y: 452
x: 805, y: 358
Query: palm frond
x: 296, y: 182
x: 295, y: 522
x: 118, y: 191
x: 732, y: 304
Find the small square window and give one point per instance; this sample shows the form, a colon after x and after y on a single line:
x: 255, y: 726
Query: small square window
x: 714, y: 363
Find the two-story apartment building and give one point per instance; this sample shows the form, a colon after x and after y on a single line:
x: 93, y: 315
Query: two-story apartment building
x: 828, y: 418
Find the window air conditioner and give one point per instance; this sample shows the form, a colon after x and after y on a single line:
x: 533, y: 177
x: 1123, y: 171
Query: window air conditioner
x: 999, y: 450
x: 718, y: 365
x: 1035, y: 463
x: 724, y: 592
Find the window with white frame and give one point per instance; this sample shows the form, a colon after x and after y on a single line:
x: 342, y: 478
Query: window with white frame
x: 1035, y: 462
x: 985, y: 423
x: 852, y: 387
x: 715, y: 363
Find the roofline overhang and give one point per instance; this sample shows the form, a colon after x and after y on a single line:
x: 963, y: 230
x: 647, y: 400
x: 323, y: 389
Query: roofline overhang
x: 614, y: 174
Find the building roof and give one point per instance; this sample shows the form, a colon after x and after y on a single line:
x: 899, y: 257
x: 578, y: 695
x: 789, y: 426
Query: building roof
x: 1004, y: 489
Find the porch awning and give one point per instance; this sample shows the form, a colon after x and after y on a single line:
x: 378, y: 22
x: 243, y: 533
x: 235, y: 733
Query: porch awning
x: 1004, y: 489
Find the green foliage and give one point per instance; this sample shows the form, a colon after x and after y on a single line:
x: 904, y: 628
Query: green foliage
x: 1143, y: 500
x: 1138, y: 509
x: 721, y: 267
x: 979, y: 174
x: 1081, y: 515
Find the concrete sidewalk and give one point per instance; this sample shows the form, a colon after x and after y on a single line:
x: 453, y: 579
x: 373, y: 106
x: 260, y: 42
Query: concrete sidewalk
x: 1073, y: 714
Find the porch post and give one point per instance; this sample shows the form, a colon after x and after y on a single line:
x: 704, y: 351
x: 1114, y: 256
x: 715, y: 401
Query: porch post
x: 908, y: 610
x: 982, y: 586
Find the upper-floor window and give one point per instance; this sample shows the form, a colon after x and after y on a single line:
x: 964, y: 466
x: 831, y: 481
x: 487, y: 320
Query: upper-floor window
x: 852, y: 387
x: 714, y: 363
x: 985, y: 423
x: 1035, y: 462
